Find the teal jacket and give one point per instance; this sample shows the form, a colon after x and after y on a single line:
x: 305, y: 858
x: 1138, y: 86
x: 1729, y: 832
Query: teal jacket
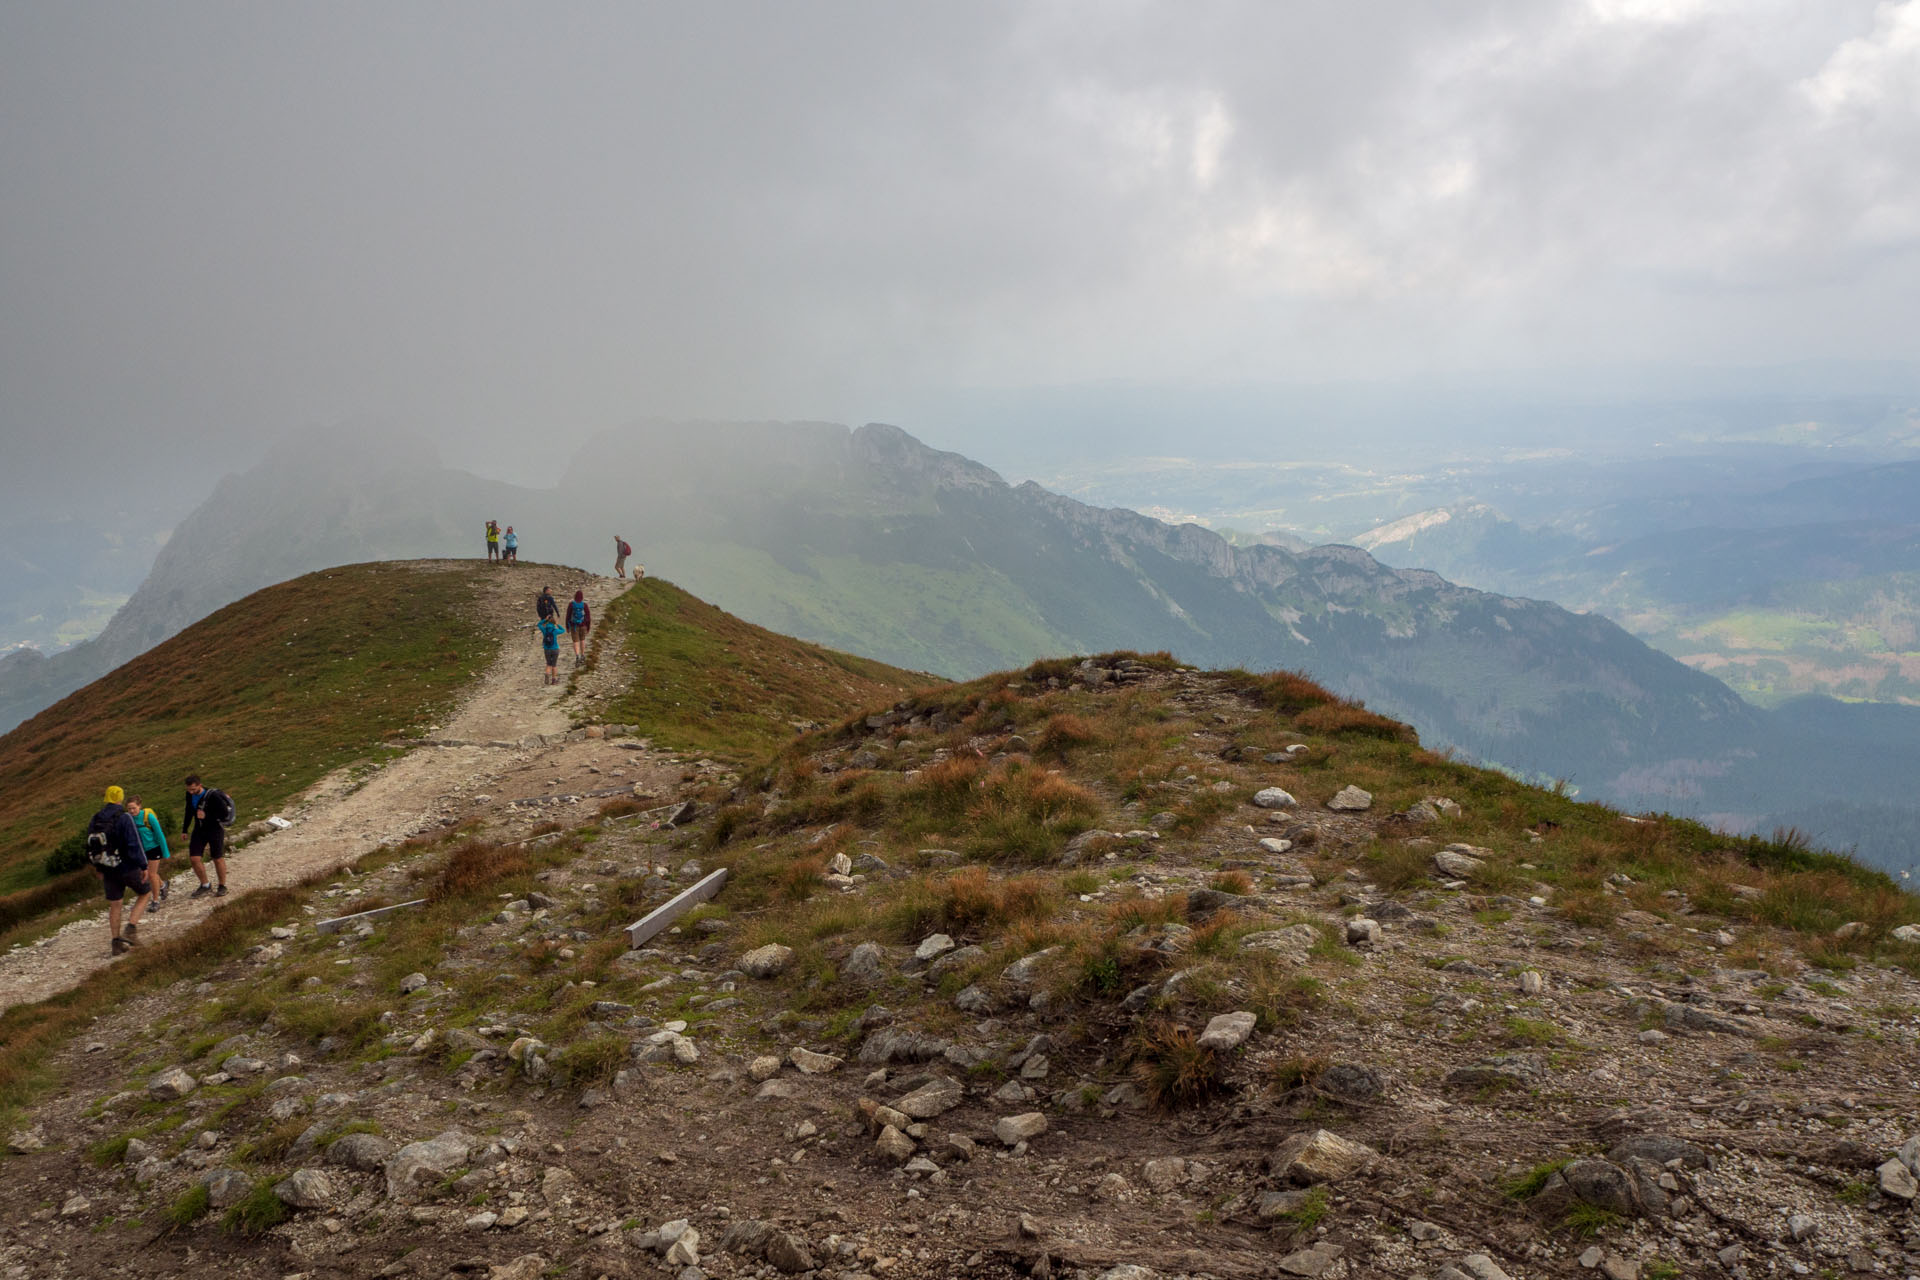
x: 152, y: 837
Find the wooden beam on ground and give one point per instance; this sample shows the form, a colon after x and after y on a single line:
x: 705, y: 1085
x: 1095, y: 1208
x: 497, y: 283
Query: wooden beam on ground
x: 340, y: 922
x: 643, y: 930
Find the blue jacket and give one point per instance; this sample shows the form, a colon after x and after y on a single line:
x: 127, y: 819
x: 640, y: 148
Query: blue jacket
x: 549, y: 633
x: 152, y: 833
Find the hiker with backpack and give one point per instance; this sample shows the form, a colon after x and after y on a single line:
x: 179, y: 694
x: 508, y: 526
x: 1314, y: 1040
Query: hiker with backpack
x: 209, y: 813
x: 549, y: 629
x: 510, y: 547
x: 579, y: 621
x: 546, y: 606
x: 153, y: 843
x: 113, y: 851
x: 620, y: 553
x: 493, y: 540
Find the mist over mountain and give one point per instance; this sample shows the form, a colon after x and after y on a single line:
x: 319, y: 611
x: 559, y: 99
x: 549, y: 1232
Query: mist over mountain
x: 871, y: 541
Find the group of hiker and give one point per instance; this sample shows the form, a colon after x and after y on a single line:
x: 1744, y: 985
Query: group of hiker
x: 502, y: 546
x: 125, y: 839
x: 578, y: 621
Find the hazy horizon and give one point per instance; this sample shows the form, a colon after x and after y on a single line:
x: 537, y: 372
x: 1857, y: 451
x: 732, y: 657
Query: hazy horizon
x: 509, y: 229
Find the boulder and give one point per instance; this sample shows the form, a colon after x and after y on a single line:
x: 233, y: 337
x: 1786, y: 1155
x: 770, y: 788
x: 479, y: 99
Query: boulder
x: 1318, y: 1155
x: 932, y: 947
x: 1897, y: 1182
x: 427, y: 1161
x: 1164, y: 1174
x: 171, y: 1084
x: 1907, y: 933
x: 1659, y: 1148
x: 1351, y: 799
x: 764, y: 1067
x: 1013, y: 1130
x: 1351, y: 1082
x: 364, y: 1152
x: 226, y: 1187
x: 1294, y: 939
x: 766, y: 962
x: 1459, y: 866
x: 901, y: 1044
x: 935, y: 1098
x: 810, y: 1063
x: 1362, y: 932
x: 1024, y: 970
x: 867, y: 964
x: 1274, y: 798
x: 894, y: 1145
x: 1227, y: 1031
x: 306, y: 1189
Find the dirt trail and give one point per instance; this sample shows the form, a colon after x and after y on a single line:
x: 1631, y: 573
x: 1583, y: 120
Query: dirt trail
x: 496, y: 733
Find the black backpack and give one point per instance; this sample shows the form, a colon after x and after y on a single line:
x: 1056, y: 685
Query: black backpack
x: 100, y: 851
x: 219, y: 806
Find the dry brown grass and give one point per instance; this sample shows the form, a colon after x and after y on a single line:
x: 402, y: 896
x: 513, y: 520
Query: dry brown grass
x: 1063, y: 733
x: 620, y: 807
x: 475, y: 866
x: 1350, y: 719
x: 1174, y: 1072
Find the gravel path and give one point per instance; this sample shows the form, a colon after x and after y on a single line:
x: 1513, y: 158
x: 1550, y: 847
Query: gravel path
x: 350, y: 813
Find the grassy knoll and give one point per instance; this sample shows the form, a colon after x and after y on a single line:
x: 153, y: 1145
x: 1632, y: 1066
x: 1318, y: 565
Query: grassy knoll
x: 263, y: 698
x: 703, y: 680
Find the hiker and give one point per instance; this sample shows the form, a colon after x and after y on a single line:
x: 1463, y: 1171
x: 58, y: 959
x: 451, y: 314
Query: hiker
x: 546, y: 606
x: 153, y: 843
x: 579, y: 620
x: 208, y: 812
x: 113, y: 851
x: 620, y: 553
x: 510, y: 547
x: 493, y: 540
x: 550, y: 642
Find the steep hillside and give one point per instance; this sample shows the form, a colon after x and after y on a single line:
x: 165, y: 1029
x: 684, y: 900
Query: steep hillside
x: 265, y: 697
x: 1111, y: 968
x: 330, y: 498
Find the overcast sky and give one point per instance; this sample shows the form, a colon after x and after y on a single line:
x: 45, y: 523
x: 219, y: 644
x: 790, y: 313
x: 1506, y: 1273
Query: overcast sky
x: 511, y: 225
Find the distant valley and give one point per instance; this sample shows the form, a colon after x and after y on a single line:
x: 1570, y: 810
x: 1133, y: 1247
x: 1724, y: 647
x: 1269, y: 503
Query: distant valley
x: 870, y: 541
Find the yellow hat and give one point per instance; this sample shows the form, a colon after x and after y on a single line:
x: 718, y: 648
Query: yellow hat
x: 116, y: 796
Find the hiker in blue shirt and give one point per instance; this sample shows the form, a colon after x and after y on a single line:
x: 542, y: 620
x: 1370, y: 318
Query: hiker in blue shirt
x: 579, y: 622
x: 509, y: 547
x: 550, y: 634
x: 153, y: 843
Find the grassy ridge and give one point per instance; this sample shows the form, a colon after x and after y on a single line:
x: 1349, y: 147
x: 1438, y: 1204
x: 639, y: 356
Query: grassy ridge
x: 703, y: 680
x: 265, y: 697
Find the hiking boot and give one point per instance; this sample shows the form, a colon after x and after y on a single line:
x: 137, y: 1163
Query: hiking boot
x: 202, y: 891
x: 121, y: 946
x: 132, y: 934
x: 221, y: 892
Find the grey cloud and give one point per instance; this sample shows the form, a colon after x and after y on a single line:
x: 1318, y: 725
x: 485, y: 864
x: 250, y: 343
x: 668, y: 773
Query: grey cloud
x: 512, y: 225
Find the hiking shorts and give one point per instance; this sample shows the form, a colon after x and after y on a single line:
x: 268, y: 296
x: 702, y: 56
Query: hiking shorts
x: 121, y: 879
x: 553, y: 657
x: 212, y: 836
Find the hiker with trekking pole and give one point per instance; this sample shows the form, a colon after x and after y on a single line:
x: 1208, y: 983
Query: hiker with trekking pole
x: 579, y: 622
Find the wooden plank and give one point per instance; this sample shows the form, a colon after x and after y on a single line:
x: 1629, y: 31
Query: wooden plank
x: 340, y: 922
x: 643, y: 930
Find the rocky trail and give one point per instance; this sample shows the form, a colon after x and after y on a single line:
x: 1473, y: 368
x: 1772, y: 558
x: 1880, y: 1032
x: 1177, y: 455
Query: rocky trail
x: 1410, y: 1077
x: 510, y: 733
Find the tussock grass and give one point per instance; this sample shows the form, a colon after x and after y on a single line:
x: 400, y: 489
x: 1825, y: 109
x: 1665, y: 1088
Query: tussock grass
x: 1172, y: 1069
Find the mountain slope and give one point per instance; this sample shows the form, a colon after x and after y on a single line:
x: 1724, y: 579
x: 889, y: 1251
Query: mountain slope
x: 1046, y: 949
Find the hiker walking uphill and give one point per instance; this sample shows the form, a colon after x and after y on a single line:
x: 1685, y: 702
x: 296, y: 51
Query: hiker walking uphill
x: 153, y: 843
x: 209, y: 811
x: 549, y: 630
x: 114, y: 853
x: 579, y: 621
x: 493, y: 540
x: 546, y: 606
x: 620, y: 553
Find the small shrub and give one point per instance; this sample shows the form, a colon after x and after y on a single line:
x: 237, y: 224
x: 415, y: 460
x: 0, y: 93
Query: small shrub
x: 592, y: 1061
x: 1308, y: 1213
x: 1588, y: 1220
x: 1235, y: 882
x: 108, y: 1152
x: 259, y: 1213
x: 475, y: 867
x: 1079, y: 882
x: 1174, y: 1071
x: 190, y: 1207
x: 1288, y: 692
x: 1527, y: 1185
x: 68, y: 856
x: 1297, y: 1071
x: 1062, y: 733
x: 1347, y: 719
x: 620, y: 807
